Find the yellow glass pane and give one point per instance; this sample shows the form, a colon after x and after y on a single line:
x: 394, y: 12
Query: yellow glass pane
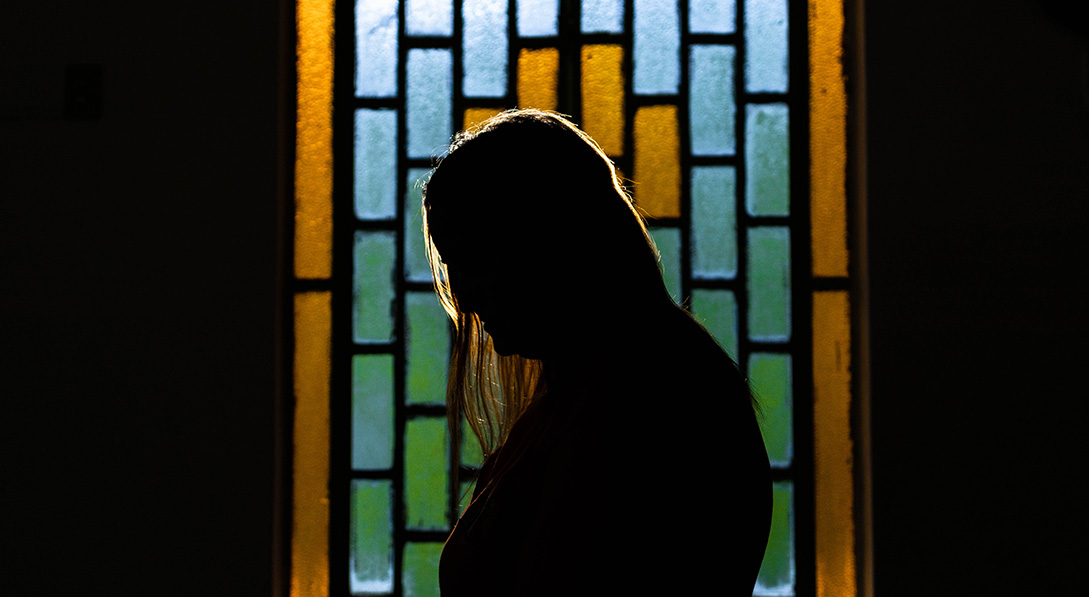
x: 310, y: 464
x: 657, y: 162
x: 538, y: 73
x: 314, y: 140
x: 603, y: 96
x: 833, y: 462
x: 475, y: 116
x: 827, y: 139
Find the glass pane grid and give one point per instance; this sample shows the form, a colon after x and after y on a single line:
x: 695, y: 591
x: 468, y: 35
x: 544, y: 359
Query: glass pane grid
x: 711, y: 161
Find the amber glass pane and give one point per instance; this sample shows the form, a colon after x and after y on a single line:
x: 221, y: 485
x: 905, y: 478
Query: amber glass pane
x: 370, y: 539
x: 426, y: 488
x: 657, y: 161
x: 603, y: 96
x: 372, y: 412
x: 474, y: 116
x: 538, y: 72
x: 420, y: 569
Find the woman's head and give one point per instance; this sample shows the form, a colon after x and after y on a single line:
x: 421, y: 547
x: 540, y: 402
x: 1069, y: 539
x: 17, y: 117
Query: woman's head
x: 532, y: 229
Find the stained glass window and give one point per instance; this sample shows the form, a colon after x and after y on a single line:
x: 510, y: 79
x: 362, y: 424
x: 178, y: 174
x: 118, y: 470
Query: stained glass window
x: 699, y: 102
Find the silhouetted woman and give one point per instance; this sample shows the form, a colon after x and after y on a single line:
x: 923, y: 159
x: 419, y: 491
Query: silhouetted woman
x: 622, y: 451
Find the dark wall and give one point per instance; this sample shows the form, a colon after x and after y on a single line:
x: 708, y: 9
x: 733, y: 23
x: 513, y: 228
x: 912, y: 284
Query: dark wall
x: 138, y: 289
x: 979, y: 205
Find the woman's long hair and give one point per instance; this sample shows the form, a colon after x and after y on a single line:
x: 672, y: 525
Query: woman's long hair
x: 535, y: 185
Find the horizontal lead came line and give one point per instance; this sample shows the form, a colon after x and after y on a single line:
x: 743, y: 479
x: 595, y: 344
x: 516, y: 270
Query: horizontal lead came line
x: 412, y: 536
x: 425, y: 411
x: 710, y: 38
x: 764, y: 98
x: 369, y: 225
x: 428, y: 42
x: 374, y: 348
x: 376, y: 103
x: 712, y: 160
x: 372, y: 475
x: 829, y: 284
x: 652, y: 100
x: 311, y: 285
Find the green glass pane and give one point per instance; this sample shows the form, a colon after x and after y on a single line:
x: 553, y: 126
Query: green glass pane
x: 668, y: 241
x: 370, y: 539
x: 717, y: 311
x: 416, y: 268
x: 372, y: 412
x: 714, y: 222
x: 471, y: 453
x: 372, y: 289
x: 771, y: 378
x: 767, y: 154
x: 656, y: 48
x: 375, y: 175
x: 428, y: 113
x: 420, y: 569
x: 426, y: 474
x: 429, y: 17
x: 711, y: 16
x: 484, y: 58
x: 769, y: 284
x: 777, y: 571
x: 712, y: 111
x: 465, y: 495
x: 376, y: 48
x: 427, y: 341
x: 766, y: 66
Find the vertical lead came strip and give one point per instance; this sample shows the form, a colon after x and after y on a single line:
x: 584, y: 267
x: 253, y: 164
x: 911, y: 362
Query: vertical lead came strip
x: 310, y: 461
x: 833, y: 455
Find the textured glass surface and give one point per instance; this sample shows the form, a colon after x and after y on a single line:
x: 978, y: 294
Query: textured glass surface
x: 657, y: 161
x: 714, y: 222
x: 711, y: 16
x: 376, y: 48
x: 717, y: 311
x: 420, y: 569
x: 426, y: 487
x: 416, y: 268
x: 766, y: 50
x: 373, y: 290
x: 430, y: 88
x: 668, y: 241
x: 372, y: 412
x: 603, y: 96
x: 769, y: 283
x: 767, y: 153
x: 484, y: 61
x: 828, y: 167
x: 428, y: 342
x: 429, y: 17
x: 370, y: 538
x: 538, y: 18
x: 777, y: 571
x: 712, y: 111
x: 771, y: 377
x: 656, y: 51
x: 602, y: 16
x: 313, y: 188
x: 375, y: 164
x: 538, y: 73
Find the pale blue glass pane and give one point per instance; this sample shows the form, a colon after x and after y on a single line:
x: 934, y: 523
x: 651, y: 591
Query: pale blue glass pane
x: 538, y: 18
x: 711, y: 102
x: 602, y: 16
x: 668, y: 241
x: 429, y: 17
x: 769, y: 283
x: 370, y: 538
x: 375, y: 164
x: 771, y: 377
x: 372, y: 412
x: 766, y: 66
x: 484, y: 61
x: 712, y: 16
x: 416, y: 268
x: 767, y: 154
x: 420, y: 569
x: 777, y: 571
x: 717, y: 311
x: 427, y: 489
x: 714, y: 222
x: 372, y: 289
x: 427, y: 346
x: 428, y: 116
x: 376, y: 48
x: 656, y: 52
